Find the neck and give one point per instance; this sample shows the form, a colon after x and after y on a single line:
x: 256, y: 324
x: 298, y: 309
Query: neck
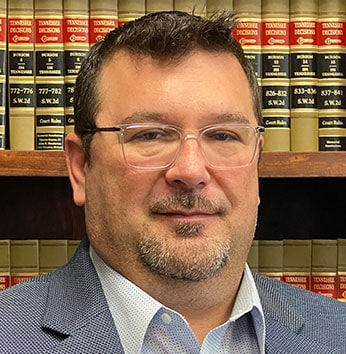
x: 205, y: 305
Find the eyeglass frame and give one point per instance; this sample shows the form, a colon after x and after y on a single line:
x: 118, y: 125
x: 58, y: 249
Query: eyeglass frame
x: 121, y: 128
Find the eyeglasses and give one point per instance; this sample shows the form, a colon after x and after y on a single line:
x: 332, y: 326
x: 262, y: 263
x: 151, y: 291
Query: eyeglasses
x: 157, y: 146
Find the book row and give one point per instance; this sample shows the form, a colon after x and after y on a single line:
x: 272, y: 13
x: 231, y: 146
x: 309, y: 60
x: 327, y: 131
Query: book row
x: 297, y: 48
x: 318, y: 265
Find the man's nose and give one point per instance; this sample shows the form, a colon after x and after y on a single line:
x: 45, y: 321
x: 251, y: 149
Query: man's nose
x: 190, y: 168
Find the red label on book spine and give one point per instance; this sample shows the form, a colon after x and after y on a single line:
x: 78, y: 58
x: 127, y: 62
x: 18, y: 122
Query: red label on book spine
x: 299, y: 280
x: 324, y: 284
x: 2, y: 29
x: 342, y: 287
x: 303, y: 33
x: 332, y: 33
x: 76, y: 30
x: 20, y: 30
x: 49, y: 30
x: 275, y: 33
x: 4, y: 281
x: 248, y: 33
x: 99, y: 27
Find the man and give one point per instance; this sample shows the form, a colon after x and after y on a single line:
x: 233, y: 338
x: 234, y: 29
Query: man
x: 164, y: 161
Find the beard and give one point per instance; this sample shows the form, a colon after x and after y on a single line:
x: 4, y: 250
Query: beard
x: 185, y: 258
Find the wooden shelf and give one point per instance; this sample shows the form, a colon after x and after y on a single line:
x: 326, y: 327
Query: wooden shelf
x: 273, y: 164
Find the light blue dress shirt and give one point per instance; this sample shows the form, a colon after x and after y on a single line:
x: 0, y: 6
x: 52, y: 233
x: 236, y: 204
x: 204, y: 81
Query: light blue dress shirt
x: 145, y: 326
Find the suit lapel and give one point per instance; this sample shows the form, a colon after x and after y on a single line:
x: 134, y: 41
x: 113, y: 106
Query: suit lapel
x: 77, y: 310
x: 284, y: 322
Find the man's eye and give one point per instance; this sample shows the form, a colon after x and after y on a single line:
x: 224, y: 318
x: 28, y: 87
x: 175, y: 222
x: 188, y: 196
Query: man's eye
x: 224, y: 136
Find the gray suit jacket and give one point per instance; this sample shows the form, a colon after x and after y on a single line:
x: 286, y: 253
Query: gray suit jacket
x: 66, y: 312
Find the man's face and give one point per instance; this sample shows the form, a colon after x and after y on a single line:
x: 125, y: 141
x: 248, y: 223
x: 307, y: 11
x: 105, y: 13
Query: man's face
x: 189, y: 221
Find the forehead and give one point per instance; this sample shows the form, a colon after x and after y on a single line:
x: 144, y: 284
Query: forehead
x: 198, y: 86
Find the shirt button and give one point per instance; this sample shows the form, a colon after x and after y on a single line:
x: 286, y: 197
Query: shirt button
x: 166, y: 318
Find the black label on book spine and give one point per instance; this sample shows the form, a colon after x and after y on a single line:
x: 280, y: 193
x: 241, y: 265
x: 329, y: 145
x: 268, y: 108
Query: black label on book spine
x: 332, y: 143
x: 21, y: 63
x: 304, y: 96
x: 332, y: 97
x: 275, y: 66
x: 277, y: 122
x: 255, y: 60
x: 73, y: 61
x: 50, y: 95
x: 69, y: 118
x: 331, y: 122
x: 49, y: 141
x: 50, y: 120
x: 49, y: 63
x: 332, y: 65
x: 69, y: 92
x: 276, y: 97
x: 303, y: 65
x: 21, y: 95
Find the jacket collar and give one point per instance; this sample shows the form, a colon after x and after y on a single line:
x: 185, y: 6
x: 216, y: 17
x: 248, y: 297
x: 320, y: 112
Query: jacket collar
x: 285, y: 322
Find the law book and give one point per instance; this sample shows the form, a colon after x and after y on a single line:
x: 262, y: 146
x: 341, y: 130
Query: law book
x: 197, y: 7
x: 24, y: 260
x: 276, y: 75
x: 341, y: 278
x: 158, y: 5
x: 214, y: 6
x: 49, y: 75
x: 253, y: 257
x: 270, y: 260
x: 297, y: 263
x: 21, y: 81
x: 52, y: 254
x: 332, y: 75
x: 76, y: 46
x: 103, y: 18
x: 324, y: 262
x: 129, y: 10
x: 72, y: 246
x: 3, y: 72
x: 304, y: 78
x: 249, y: 32
x: 4, y: 264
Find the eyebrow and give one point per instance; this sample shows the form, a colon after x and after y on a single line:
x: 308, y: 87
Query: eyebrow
x: 154, y: 117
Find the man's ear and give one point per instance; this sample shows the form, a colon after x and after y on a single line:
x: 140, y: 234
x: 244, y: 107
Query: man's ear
x: 76, y: 162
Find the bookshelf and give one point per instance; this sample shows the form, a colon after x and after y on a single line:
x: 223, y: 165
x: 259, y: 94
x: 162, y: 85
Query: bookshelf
x: 272, y: 165
x: 302, y: 196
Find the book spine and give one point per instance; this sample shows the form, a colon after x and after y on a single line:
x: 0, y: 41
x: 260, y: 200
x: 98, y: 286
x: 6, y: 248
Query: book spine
x: 332, y: 75
x: 214, y: 6
x: 253, y: 257
x: 21, y: 96
x: 197, y: 7
x: 72, y: 246
x: 324, y: 267
x: 271, y: 258
x: 103, y: 18
x: 304, y: 79
x: 341, y: 281
x: 3, y: 72
x: 49, y: 75
x: 76, y: 46
x: 248, y: 32
x: 158, y: 5
x: 297, y: 263
x: 276, y: 74
x: 4, y: 264
x: 24, y: 260
x: 52, y: 254
x: 129, y: 10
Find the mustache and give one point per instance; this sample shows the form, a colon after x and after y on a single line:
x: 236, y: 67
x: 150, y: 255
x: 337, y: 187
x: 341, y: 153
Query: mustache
x: 187, y: 201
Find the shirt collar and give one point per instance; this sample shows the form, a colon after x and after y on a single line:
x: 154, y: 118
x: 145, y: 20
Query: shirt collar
x: 138, y: 309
